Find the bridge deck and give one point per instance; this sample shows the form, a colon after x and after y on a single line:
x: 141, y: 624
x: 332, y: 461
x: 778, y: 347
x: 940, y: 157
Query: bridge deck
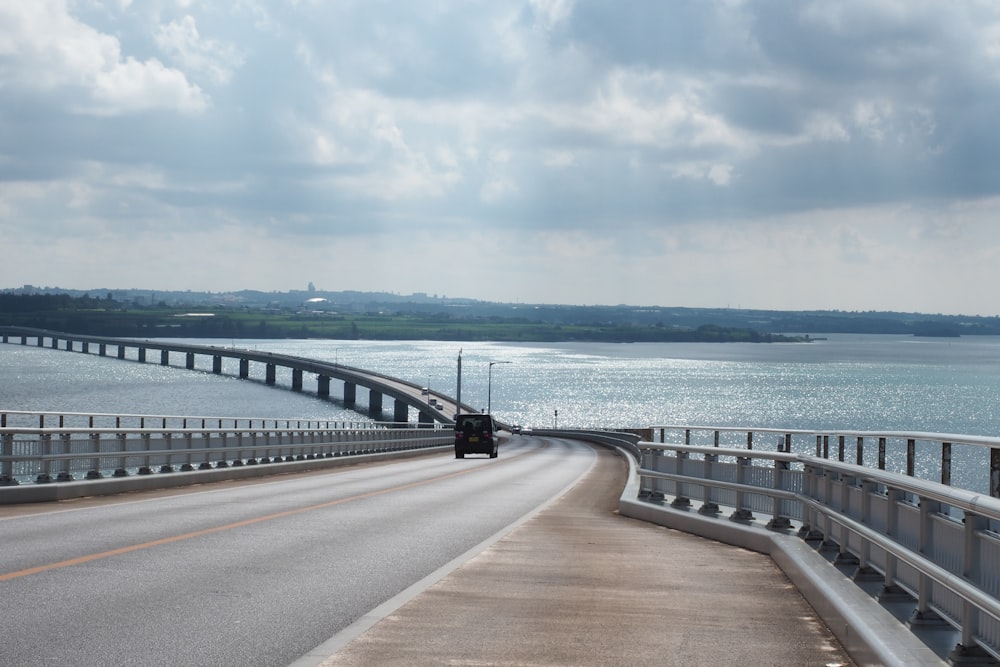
x: 580, y: 585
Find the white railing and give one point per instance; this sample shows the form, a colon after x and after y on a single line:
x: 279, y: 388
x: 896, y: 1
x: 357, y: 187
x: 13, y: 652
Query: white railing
x: 143, y: 444
x: 936, y: 543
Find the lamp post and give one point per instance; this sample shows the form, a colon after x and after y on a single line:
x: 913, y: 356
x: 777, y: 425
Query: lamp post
x: 489, y: 385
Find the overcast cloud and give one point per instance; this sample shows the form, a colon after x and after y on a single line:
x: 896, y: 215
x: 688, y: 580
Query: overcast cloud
x: 791, y: 155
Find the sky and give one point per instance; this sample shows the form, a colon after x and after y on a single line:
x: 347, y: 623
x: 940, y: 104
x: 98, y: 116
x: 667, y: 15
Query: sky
x: 832, y: 155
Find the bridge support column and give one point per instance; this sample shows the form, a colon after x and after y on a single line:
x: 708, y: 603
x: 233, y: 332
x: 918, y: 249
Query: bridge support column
x: 102, y: 349
x: 142, y: 354
x: 189, y: 361
x: 244, y: 368
x: 41, y: 341
x: 217, y: 365
x: 400, y: 412
x: 69, y: 345
x: 85, y: 347
x: 425, y: 419
x: 374, y: 404
x: 323, y: 386
x: 270, y: 375
x: 350, y: 393
x: 55, y: 343
x: 121, y: 351
x: 296, y: 379
x: 164, y: 357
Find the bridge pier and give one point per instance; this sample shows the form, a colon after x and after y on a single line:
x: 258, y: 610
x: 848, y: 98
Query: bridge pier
x: 374, y: 404
x: 378, y: 387
x: 400, y: 411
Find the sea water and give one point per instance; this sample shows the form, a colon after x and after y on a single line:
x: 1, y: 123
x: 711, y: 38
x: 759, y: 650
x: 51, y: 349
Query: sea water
x: 842, y: 382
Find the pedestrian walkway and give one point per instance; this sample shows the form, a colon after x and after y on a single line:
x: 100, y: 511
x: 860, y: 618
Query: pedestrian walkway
x: 578, y: 584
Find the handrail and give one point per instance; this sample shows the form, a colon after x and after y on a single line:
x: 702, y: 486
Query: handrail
x: 58, y: 454
x: 902, y: 528
x: 882, y: 449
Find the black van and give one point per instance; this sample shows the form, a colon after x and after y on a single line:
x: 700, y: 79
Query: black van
x: 474, y: 434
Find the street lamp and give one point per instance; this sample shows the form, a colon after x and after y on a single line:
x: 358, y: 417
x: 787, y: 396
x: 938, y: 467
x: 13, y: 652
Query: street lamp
x: 489, y: 385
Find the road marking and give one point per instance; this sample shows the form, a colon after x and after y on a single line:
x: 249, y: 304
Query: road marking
x: 80, y: 560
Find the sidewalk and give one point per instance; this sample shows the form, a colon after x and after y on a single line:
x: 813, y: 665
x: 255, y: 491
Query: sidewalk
x: 580, y: 585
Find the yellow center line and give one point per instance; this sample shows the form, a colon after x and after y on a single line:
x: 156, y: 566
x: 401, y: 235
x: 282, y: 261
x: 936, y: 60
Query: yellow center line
x: 80, y: 560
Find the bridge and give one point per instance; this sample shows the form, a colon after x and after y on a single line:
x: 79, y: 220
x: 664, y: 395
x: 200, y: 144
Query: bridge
x: 261, y: 366
x: 903, y: 570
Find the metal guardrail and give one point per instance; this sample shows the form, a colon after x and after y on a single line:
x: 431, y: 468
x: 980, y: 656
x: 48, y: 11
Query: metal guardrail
x: 973, y: 461
x: 43, y: 455
x: 936, y: 544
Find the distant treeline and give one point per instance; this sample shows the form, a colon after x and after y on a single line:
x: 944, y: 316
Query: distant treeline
x: 106, y: 317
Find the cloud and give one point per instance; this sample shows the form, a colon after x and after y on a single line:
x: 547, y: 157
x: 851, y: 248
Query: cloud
x: 716, y: 147
x: 44, y: 49
x: 211, y: 58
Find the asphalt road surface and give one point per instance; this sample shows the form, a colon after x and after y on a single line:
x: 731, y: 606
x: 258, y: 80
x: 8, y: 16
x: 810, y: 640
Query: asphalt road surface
x: 254, y: 573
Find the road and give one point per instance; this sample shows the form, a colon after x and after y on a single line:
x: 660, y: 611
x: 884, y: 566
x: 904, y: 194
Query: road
x: 255, y: 573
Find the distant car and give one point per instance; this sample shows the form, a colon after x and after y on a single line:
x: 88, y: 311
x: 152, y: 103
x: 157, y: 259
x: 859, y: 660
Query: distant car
x: 515, y: 429
x: 474, y: 434
x: 425, y: 391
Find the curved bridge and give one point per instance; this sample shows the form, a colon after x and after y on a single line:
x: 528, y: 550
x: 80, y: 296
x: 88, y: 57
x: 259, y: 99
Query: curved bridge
x: 405, y: 394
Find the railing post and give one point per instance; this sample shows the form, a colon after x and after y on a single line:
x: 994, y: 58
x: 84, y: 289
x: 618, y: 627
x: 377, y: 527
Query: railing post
x: 881, y: 453
x: 680, y: 500
x: 708, y: 504
x: 779, y: 522
x: 923, y: 614
x: 844, y: 555
x: 860, y: 460
x: 946, y: 463
x: 865, y: 571
x: 994, y: 472
x: 743, y: 514
x: 971, y: 570
x: 94, y: 472
x: 7, y: 465
x: 120, y: 439
x: 45, y: 449
x: 188, y: 445
x: 146, y: 468
x: 168, y: 442
x: 911, y: 455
